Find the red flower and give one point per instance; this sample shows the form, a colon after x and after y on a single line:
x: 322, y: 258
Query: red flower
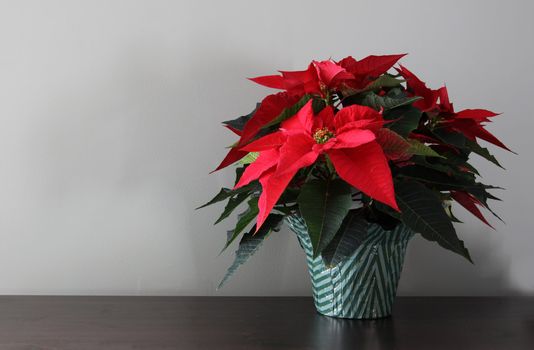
x: 322, y: 77
x: 270, y: 108
x: 316, y: 80
x: 347, y: 138
x: 418, y: 88
x: 469, y: 122
x: 470, y: 202
x: 367, y: 69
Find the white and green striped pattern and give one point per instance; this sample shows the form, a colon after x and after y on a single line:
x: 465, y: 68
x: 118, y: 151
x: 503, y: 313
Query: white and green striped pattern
x: 364, y: 285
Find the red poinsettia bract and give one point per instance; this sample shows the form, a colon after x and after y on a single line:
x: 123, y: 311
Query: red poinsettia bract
x: 347, y: 138
x: 323, y: 77
x: 469, y: 122
x: 270, y: 108
x: 319, y: 78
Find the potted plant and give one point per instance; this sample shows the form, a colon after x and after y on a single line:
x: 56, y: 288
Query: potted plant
x: 356, y: 158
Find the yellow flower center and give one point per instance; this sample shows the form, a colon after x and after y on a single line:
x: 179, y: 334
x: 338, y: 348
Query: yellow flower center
x: 322, y: 135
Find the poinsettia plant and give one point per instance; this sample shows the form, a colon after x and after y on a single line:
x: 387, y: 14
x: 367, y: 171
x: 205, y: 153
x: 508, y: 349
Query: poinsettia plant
x: 354, y: 140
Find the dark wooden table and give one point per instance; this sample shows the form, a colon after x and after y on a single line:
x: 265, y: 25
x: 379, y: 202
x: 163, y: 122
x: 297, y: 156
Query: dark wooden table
x: 42, y: 322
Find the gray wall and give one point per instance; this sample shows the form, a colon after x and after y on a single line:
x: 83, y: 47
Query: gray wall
x: 110, y: 122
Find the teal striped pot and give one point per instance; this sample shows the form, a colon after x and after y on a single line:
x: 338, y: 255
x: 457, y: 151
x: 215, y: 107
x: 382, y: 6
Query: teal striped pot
x: 364, y: 285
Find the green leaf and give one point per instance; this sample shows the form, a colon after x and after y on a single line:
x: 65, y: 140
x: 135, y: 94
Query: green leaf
x: 238, y: 173
x: 239, y: 123
x: 460, y: 141
x: 384, y: 209
x: 233, y: 202
x: 383, y: 81
x: 421, y: 149
x: 226, y: 193
x: 422, y: 211
x: 452, y: 138
x: 449, y: 166
x: 403, y: 119
x: 459, y: 160
x: 290, y: 195
x: 249, y: 158
x: 447, y: 205
x: 223, y: 194
x: 289, y: 112
x: 250, y: 243
x: 447, y: 182
x: 318, y: 105
x: 374, y: 101
x: 467, y: 145
x: 397, y: 147
x: 350, y: 235
x: 393, y: 145
x: 324, y: 205
x: 393, y: 99
x: 243, y: 220
x: 482, y: 151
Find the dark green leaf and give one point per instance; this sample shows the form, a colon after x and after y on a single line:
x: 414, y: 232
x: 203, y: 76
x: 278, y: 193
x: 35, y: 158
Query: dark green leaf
x: 377, y: 102
x: 422, y: 211
x: 238, y: 173
x: 233, y: 202
x: 445, y: 182
x: 243, y: 220
x: 223, y: 194
x: 289, y: 112
x: 460, y: 141
x: 384, y: 209
x: 383, y: 81
x: 318, y: 105
x: 290, y: 195
x: 452, y: 138
x: 226, y: 193
x: 250, y: 243
x: 350, y: 235
x: 448, y: 209
x: 421, y: 149
x: 460, y: 160
x: 482, y: 151
x: 403, y: 119
x: 448, y: 166
x: 323, y: 205
x: 239, y: 123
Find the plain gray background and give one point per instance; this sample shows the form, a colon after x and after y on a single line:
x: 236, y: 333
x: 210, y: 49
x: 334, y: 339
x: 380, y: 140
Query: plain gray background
x: 110, y: 123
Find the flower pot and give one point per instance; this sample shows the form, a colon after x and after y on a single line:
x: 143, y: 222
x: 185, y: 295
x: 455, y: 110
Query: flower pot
x: 364, y: 285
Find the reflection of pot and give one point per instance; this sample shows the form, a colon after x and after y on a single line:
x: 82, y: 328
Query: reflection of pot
x: 334, y: 333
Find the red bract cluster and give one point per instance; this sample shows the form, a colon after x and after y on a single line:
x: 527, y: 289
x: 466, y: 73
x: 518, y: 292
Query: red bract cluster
x: 356, y: 136
x: 347, y: 138
x: 353, y: 149
x: 320, y: 79
x: 469, y: 122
